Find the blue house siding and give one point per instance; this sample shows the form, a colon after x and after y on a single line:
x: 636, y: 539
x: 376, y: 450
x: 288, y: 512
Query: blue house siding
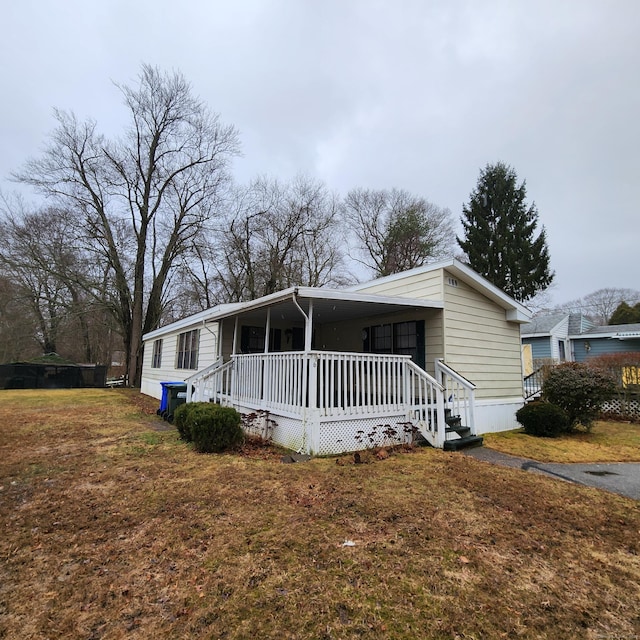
x: 601, y: 346
x: 540, y: 347
x: 556, y: 337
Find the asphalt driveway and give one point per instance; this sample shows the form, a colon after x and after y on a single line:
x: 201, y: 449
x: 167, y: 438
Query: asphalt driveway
x: 618, y: 477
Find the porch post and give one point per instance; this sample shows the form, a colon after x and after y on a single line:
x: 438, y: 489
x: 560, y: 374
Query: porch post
x: 472, y: 411
x: 234, y: 349
x: 311, y: 412
x: 312, y: 417
x: 308, y: 327
x: 266, y: 367
x: 440, y: 419
x: 441, y: 399
x: 267, y: 331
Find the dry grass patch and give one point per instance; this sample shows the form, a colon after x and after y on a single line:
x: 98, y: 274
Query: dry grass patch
x: 112, y: 528
x: 607, y: 442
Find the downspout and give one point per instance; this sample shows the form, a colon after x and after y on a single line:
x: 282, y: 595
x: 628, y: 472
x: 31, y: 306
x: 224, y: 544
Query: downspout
x: 308, y: 328
x: 215, y: 336
x: 295, y: 301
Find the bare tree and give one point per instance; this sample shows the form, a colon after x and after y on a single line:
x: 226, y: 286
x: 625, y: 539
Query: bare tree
x: 36, y: 256
x: 17, y: 326
x: 57, y: 287
x: 143, y: 198
x: 279, y: 235
x: 541, y: 302
x: 600, y: 305
x: 396, y: 231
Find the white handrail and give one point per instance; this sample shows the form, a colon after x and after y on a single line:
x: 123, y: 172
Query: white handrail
x: 426, y: 404
x: 459, y: 394
x: 211, y: 384
x: 444, y: 368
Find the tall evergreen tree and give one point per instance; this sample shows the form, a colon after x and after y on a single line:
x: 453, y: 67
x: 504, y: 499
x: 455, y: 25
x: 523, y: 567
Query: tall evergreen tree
x: 625, y: 314
x: 500, y: 235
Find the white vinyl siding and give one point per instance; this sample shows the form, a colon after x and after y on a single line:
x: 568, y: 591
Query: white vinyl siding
x: 424, y: 286
x: 152, y: 377
x: 559, y: 341
x: 480, y: 343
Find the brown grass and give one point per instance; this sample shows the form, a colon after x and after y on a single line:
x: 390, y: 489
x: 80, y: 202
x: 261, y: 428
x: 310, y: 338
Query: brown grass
x: 113, y: 528
x: 607, y: 442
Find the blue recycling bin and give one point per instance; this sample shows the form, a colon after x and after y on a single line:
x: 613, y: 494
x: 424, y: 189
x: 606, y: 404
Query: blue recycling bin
x: 176, y: 395
x: 164, y: 400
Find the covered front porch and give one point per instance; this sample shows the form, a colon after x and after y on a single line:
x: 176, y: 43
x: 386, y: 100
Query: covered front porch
x: 278, y: 362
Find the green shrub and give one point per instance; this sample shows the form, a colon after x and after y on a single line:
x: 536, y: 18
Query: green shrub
x: 181, y: 418
x: 580, y: 390
x: 543, y: 419
x: 214, y: 428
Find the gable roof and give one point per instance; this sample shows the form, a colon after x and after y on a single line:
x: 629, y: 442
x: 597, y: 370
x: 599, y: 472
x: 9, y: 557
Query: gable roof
x: 516, y: 311
x: 579, y: 323
x: 547, y: 325
x: 542, y: 325
x: 579, y: 327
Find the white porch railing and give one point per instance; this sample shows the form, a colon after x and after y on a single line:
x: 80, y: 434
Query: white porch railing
x: 334, y: 385
x: 459, y: 394
x: 211, y: 384
x: 426, y: 404
x: 359, y: 383
x: 271, y: 381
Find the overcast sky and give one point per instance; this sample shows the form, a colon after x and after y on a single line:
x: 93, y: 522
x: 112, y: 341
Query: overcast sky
x: 413, y: 94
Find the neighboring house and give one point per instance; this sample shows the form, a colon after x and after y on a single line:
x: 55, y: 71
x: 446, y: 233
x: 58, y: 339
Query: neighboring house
x: 549, y: 336
x: 597, y: 341
x: 572, y: 337
x: 437, y: 348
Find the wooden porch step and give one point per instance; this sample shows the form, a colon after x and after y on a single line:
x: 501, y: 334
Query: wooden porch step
x: 462, y: 443
x: 454, y: 421
x: 459, y: 429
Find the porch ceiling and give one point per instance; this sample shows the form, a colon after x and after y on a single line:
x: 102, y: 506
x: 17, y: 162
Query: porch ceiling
x: 328, y: 306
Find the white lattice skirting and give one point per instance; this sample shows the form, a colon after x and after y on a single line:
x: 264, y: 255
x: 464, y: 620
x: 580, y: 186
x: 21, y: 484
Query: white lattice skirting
x: 622, y: 408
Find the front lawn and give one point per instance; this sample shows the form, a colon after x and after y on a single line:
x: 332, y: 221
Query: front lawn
x: 607, y: 442
x: 113, y: 528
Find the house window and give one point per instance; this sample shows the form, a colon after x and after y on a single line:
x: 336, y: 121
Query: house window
x: 381, y: 339
x: 402, y: 337
x: 405, y: 338
x: 252, y: 340
x: 187, y: 356
x: 156, y: 359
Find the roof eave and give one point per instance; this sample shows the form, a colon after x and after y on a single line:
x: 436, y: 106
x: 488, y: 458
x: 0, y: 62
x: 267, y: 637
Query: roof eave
x: 221, y: 312
x: 516, y: 311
